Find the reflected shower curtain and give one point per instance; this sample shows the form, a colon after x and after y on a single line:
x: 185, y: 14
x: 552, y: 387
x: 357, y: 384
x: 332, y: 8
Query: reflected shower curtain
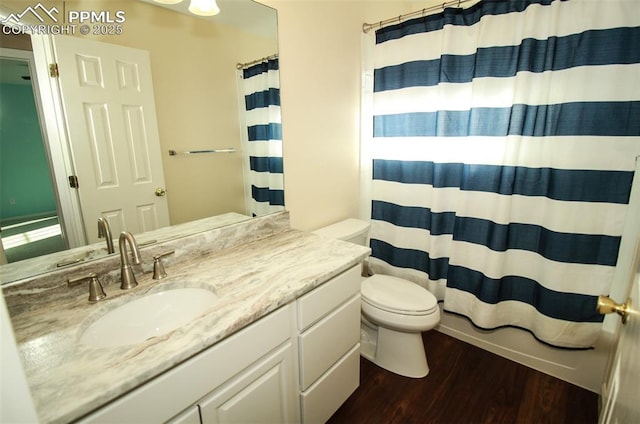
x: 261, y: 89
x: 502, y: 154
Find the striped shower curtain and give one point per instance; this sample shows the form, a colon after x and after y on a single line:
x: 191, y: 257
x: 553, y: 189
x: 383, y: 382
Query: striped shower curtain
x: 502, y: 153
x: 261, y: 89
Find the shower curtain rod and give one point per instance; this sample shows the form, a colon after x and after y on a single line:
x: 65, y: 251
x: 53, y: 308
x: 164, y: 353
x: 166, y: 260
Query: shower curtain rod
x: 246, y: 65
x: 368, y: 27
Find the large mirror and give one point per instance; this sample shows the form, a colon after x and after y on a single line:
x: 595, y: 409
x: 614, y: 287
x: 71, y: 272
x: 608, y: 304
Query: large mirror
x: 196, y: 67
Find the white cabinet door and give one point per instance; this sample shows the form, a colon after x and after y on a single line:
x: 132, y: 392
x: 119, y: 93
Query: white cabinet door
x: 264, y: 393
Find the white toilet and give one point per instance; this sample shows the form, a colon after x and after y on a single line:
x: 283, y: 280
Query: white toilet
x: 395, y: 312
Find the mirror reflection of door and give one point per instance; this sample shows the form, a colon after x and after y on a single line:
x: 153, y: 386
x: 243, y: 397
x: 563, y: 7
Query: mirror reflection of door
x: 29, y: 220
x: 108, y: 100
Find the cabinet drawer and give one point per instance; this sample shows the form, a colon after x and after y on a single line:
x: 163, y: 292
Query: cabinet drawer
x: 325, y: 397
x: 317, y: 303
x: 189, y: 416
x: 323, y: 344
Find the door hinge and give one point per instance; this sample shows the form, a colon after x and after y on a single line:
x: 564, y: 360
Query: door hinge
x: 53, y: 70
x: 73, y: 181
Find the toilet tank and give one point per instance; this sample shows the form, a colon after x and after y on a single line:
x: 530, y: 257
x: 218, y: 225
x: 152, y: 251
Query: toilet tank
x: 351, y: 230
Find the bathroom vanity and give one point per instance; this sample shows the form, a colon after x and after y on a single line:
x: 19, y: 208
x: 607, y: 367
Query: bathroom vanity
x: 280, y: 342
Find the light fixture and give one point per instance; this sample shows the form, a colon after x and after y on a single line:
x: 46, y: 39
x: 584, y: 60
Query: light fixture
x: 168, y: 1
x: 204, y: 7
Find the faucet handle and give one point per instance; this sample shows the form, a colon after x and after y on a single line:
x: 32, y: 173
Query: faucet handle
x: 96, y: 292
x: 158, y: 267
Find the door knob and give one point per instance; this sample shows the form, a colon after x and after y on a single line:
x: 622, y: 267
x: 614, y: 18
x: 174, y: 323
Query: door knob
x: 606, y: 305
x: 160, y: 192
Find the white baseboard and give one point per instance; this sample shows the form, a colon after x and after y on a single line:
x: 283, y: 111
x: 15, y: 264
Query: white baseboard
x: 584, y: 368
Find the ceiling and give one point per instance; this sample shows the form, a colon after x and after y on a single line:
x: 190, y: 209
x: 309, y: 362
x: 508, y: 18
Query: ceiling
x: 247, y: 15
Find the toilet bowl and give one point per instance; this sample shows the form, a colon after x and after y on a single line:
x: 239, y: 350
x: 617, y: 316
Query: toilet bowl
x: 395, y: 312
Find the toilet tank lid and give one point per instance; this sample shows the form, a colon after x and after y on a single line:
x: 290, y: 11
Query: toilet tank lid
x: 344, y: 230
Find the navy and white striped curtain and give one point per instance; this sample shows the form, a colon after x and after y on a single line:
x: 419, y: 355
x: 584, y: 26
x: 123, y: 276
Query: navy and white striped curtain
x: 503, y: 147
x: 261, y: 88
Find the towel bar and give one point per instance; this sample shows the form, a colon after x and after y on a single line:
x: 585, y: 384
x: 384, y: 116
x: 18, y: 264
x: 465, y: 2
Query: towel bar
x: 193, y: 152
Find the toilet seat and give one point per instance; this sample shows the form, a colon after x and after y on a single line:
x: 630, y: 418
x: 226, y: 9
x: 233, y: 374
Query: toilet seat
x: 398, y: 296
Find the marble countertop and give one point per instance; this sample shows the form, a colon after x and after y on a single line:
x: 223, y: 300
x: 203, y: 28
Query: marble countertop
x: 54, y: 261
x: 68, y: 379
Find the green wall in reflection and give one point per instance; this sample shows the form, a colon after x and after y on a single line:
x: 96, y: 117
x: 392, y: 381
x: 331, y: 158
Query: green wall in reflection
x: 26, y: 191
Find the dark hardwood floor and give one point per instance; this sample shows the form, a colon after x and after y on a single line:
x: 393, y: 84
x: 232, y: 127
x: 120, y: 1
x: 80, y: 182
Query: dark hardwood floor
x: 465, y: 385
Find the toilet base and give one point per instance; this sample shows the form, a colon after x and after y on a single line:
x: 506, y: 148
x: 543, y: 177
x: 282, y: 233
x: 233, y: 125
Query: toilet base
x: 368, y: 339
x: 399, y: 352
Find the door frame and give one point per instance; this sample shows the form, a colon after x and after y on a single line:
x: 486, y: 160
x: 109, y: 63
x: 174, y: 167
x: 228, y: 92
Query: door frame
x: 53, y: 126
x: 28, y: 57
x: 57, y: 142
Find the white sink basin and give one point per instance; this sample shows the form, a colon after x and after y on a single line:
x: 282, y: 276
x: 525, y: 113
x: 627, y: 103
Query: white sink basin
x: 147, y: 317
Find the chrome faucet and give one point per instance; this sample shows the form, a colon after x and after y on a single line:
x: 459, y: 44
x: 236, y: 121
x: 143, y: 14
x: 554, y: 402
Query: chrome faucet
x: 128, y: 279
x: 105, y: 231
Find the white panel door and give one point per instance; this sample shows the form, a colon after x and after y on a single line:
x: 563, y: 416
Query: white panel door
x: 623, y: 401
x: 622, y: 393
x: 109, y: 105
